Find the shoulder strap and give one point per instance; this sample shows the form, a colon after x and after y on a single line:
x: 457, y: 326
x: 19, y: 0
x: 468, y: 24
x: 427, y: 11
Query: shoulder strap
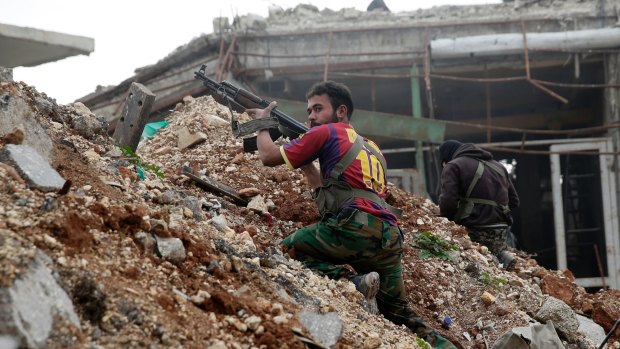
x: 351, y: 154
x: 494, y: 167
x: 377, y: 155
x: 474, y: 181
x: 348, y: 158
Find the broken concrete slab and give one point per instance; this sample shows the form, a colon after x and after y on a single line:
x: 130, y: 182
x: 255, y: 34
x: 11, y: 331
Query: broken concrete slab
x: 14, y: 112
x: 534, y: 336
x: 188, y: 139
x: 562, y: 315
x: 326, y: 329
x: 171, y: 249
x: 87, y: 124
x: 33, y: 306
x: 258, y: 204
x: 195, y: 205
x: 147, y: 241
x: 591, y: 330
x: 32, y: 167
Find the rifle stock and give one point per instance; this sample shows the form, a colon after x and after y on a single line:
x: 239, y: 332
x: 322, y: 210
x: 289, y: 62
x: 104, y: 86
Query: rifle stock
x: 239, y: 100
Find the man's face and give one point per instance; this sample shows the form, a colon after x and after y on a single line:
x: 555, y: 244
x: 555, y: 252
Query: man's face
x: 320, y: 111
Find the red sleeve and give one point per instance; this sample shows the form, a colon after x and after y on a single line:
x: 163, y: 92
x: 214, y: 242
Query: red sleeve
x: 306, y: 148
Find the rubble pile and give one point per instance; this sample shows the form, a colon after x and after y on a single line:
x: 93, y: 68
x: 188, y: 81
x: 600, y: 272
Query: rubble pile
x: 311, y: 18
x: 130, y: 252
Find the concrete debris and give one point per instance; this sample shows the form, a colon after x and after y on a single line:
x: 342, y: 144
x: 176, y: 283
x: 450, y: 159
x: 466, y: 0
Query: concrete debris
x: 311, y: 19
x: 563, y: 317
x: 187, y: 139
x: 223, y: 282
x: 34, y: 307
x: 534, y: 336
x: 18, y: 113
x: 592, y: 331
x: 258, y: 204
x: 171, y: 249
x: 326, y: 328
x: 87, y: 124
x: 33, y: 168
x: 147, y: 241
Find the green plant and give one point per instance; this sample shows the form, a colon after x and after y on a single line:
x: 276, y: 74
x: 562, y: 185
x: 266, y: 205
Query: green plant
x: 422, y: 343
x: 135, y: 159
x: 432, y: 246
x: 491, y: 281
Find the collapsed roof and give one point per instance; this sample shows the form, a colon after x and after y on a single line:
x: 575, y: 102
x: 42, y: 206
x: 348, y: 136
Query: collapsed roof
x: 28, y: 47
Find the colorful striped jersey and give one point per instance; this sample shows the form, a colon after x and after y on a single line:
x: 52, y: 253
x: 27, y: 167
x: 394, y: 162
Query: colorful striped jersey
x: 329, y: 143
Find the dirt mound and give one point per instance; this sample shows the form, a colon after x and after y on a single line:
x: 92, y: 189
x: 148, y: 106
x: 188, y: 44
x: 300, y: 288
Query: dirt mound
x: 234, y: 289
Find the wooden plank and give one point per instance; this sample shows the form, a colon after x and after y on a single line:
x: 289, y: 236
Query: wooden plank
x: 214, y: 186
x: 134, y: 116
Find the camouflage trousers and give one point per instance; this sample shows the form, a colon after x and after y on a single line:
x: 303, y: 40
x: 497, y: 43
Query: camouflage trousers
x: 493, y: 238
x: 367, y: 244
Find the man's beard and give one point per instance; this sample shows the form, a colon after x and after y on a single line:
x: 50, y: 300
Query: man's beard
x: 314, y: 123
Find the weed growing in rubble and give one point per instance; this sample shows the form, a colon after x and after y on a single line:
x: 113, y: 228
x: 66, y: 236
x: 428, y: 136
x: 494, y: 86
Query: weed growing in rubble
x: 432, y: 246
x: 135, y: 159
x: 491, y: 281
x: 422, y: 343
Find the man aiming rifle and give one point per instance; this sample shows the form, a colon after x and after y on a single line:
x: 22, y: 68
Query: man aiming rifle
x: 358, y: 227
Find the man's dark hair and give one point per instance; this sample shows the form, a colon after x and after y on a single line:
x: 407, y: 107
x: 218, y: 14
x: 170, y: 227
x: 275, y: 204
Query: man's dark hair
x: 339, y: 94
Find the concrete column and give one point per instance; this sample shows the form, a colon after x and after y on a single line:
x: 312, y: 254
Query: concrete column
x: 416, y: 105
x: 135, y: 114
x: 612, y: 114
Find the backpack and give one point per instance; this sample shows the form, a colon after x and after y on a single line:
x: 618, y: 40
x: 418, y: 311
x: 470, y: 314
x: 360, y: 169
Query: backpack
x: 466, y: 203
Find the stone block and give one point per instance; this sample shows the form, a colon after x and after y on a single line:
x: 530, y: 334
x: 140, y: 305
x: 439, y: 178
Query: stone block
x: 32, y: 167
x: 32, y: 307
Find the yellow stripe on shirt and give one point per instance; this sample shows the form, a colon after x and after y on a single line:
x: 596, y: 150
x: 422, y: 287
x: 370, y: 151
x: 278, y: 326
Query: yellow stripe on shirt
x: 288, y: 163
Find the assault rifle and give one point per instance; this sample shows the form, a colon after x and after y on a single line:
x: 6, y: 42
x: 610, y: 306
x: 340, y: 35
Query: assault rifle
x: 238, y: 99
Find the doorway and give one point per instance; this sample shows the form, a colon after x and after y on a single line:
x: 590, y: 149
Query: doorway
x: 585, y: 213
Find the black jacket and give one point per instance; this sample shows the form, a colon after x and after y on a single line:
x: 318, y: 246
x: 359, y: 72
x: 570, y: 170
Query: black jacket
x: 458, y: 174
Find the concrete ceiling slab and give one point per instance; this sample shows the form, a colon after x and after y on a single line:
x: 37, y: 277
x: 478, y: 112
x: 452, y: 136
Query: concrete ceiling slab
x: 28, y: 47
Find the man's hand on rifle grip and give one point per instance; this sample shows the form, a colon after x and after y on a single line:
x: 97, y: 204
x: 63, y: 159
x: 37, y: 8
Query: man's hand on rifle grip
x: 257, y: 113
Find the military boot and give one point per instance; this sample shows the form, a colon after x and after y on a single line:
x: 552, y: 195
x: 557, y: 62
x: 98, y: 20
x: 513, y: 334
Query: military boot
x: 508, y: 260
x: 368, y: 285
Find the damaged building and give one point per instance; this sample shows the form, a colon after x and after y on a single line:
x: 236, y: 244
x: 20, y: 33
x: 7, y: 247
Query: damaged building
x: 535, y: 82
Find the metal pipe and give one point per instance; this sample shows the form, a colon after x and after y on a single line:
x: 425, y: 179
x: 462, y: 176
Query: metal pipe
x: 546, y: 132
x: 528, y: 75
x: 487, y: 100
x: 599, y: 264
x: 526, y: 56
x: 539, y: 142
x: 551, y: 93
x: 337, y: 54
x: 613, y: 329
